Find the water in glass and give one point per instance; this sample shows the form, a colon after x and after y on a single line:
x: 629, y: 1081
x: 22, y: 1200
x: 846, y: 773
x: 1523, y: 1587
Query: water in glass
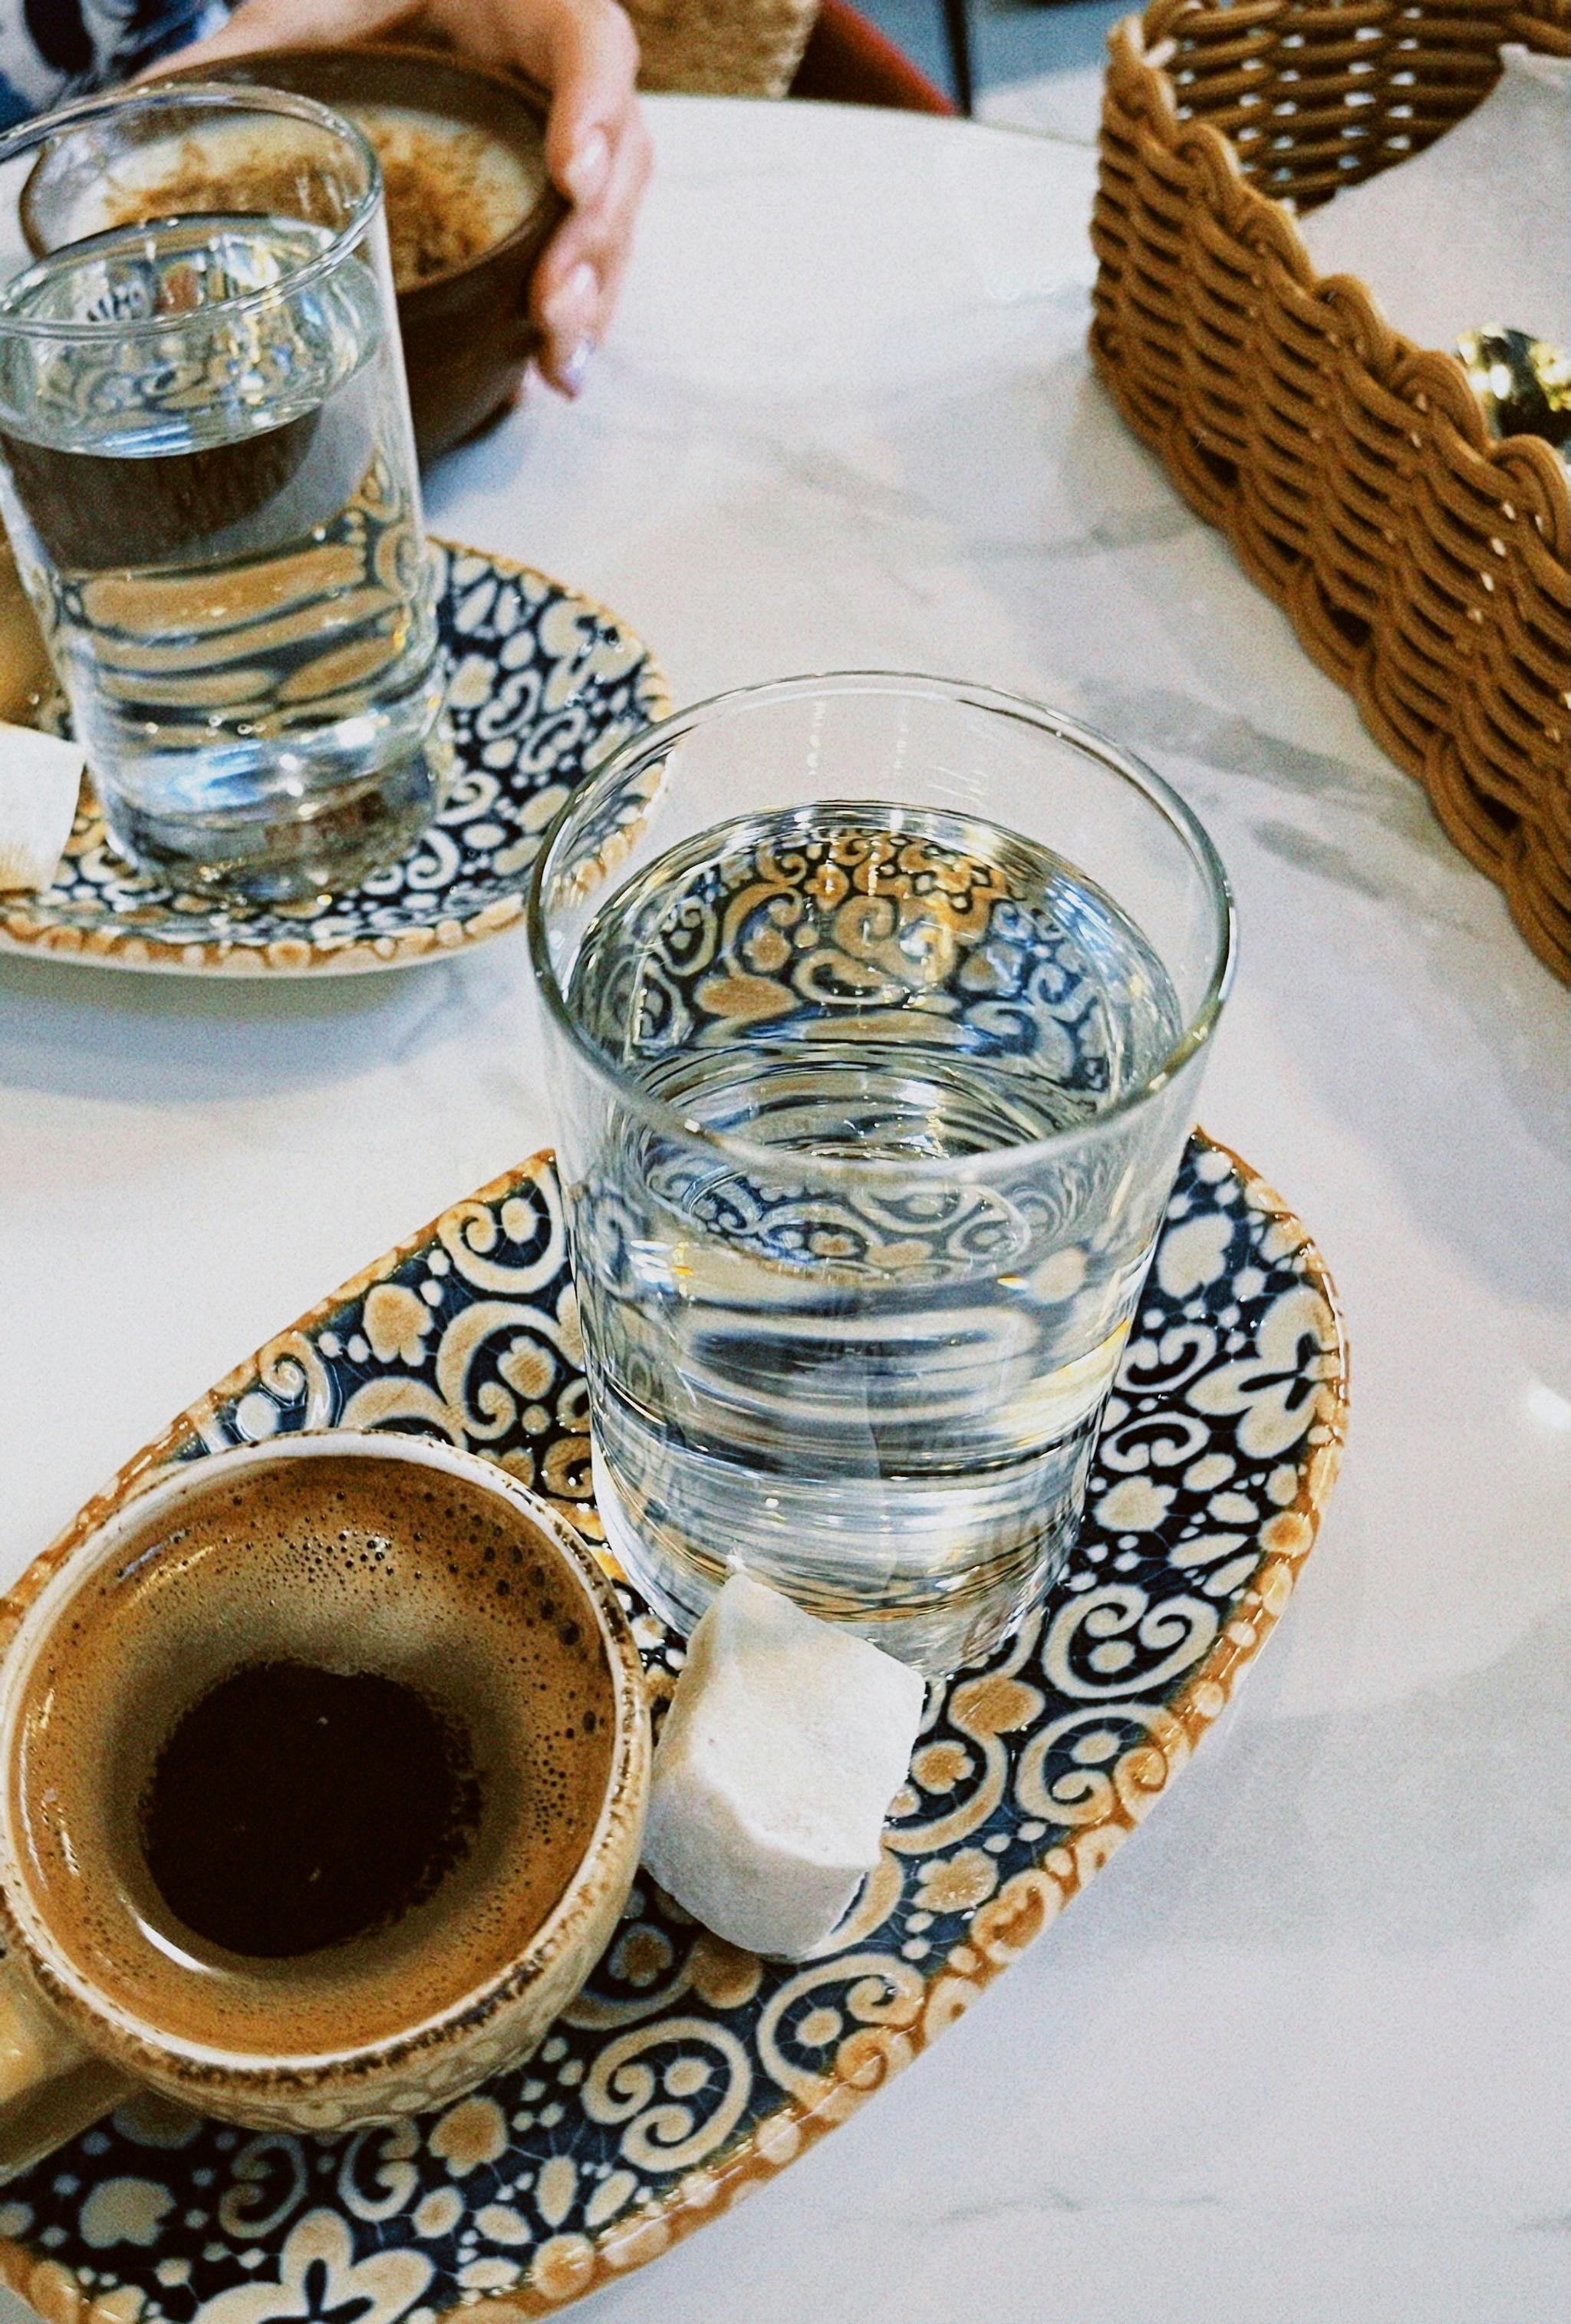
x: 818, y: 1342
x: 220, y: 524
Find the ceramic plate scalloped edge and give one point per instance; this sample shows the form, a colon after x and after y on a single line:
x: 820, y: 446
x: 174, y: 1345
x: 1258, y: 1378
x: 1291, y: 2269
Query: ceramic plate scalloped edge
x: 341, y: 941
x: 886, y: 2038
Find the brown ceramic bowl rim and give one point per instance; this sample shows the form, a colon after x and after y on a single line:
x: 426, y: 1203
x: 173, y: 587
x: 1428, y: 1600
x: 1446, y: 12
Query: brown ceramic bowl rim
x: 136, y: 2041
x: 527, y: 97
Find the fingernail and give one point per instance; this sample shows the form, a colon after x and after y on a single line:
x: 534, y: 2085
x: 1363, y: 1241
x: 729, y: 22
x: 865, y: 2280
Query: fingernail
x: 575, y: 370
x: 570, y: 309
x: 587, y: 172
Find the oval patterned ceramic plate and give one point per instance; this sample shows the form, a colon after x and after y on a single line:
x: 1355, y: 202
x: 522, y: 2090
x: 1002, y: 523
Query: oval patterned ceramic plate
x: 687, y: 2070
x: 543, y: 685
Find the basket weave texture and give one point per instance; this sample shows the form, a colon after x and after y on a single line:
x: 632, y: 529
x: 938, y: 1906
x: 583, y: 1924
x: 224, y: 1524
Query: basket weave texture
x: 1425, y: 567
x: 721, y: 47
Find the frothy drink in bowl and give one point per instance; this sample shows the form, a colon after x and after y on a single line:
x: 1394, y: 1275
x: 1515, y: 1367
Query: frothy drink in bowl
x: 470, y: 208
x: 208, y: 472
x: 323, y: 1783
x: 451, y: 190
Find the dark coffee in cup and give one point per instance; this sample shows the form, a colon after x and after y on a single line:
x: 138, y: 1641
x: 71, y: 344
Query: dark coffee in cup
x: 305, y: 1764
x: 293, y: 1808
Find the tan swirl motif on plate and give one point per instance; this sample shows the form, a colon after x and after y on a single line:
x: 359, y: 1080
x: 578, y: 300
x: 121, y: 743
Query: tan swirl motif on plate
x: 687, y: 2070
x: 543, y: 685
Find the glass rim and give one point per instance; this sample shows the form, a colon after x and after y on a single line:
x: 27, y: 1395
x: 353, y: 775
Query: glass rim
x: 658, y: 1113
x: 229, y: 96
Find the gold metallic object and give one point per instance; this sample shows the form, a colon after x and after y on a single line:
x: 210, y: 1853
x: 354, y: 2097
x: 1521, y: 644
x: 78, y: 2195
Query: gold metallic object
x: 1523, y: 384
x: 26, y: 676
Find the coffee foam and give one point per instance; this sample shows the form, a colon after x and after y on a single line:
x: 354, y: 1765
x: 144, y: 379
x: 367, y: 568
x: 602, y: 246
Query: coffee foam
x: 349, y: 1565
x: 452, y: 190
x: 87, y: 196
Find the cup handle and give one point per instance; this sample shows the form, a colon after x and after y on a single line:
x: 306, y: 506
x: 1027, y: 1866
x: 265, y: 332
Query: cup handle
x: 51, y: 2087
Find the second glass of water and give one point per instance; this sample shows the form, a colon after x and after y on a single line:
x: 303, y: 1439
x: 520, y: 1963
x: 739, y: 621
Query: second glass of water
x: 208, y: 475
x: 877, y: 1008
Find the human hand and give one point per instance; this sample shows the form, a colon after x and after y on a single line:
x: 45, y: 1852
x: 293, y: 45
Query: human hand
x: 597, y: 149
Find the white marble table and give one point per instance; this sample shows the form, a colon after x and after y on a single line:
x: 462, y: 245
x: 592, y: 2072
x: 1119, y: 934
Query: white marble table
x: 1303, y: 2052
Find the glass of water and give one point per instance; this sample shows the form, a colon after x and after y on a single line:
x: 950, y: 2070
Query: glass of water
x: 208, y: 472
x: 877, y: 1008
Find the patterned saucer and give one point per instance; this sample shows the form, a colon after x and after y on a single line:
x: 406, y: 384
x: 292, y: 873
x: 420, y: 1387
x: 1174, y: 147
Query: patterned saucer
x: 543, y: 685
x: 687, y: 2072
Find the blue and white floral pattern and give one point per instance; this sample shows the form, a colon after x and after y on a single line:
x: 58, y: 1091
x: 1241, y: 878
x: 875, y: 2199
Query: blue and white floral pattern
x: 543, y: 685
x: 687, y: 2069
x: 52, y: 50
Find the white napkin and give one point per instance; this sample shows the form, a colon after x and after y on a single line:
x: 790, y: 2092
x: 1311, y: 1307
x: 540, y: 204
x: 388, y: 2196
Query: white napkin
x: 1474, y: 230
x: 40, y: 777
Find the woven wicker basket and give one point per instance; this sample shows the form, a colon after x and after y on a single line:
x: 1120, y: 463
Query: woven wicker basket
x: 721, y: 47
x: 1424, y: 566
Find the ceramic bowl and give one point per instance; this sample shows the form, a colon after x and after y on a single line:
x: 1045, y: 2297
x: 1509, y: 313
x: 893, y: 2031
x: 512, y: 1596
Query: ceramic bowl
x: 467, y: 331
